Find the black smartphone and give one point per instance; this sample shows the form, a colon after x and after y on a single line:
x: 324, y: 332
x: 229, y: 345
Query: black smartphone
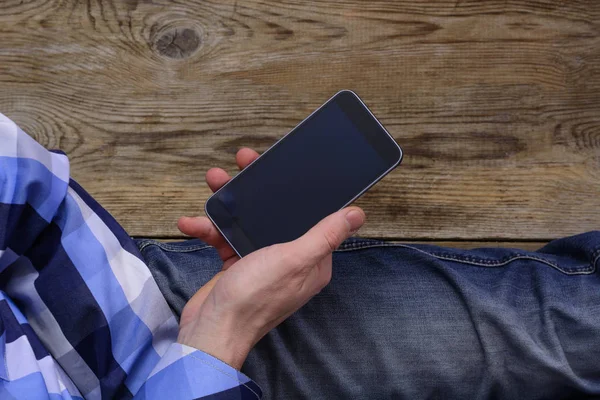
x: 321, y: 166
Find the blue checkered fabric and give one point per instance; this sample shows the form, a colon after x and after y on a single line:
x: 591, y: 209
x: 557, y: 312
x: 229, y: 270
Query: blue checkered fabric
x: 80, y: 314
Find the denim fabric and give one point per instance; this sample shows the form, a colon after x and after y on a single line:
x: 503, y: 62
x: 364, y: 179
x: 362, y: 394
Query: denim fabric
x: 424, y: 322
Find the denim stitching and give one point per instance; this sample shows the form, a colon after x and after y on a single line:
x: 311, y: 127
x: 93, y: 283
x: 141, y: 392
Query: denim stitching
x: 171, y: 248
x: 225, y: 373
x: 143, y: 244
x: 583, y: 269
x: 359, y: 245
x: 596, y: 257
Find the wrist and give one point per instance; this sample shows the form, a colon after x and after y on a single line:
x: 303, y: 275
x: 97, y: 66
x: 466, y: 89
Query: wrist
x: 229, y: 347
x: 228, y: 353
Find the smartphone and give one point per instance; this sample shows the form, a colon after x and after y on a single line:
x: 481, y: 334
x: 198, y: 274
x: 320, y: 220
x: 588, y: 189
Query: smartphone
x: 321, y: 166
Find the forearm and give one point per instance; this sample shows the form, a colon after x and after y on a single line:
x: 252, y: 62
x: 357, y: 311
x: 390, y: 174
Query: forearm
x: 84, y: 288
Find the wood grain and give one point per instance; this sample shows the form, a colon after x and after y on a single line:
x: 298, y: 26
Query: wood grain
x: 496, y: 103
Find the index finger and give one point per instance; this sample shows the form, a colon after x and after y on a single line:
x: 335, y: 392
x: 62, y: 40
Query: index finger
x: 245, y: 157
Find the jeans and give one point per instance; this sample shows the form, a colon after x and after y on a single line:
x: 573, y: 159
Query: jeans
x: 425, y: 322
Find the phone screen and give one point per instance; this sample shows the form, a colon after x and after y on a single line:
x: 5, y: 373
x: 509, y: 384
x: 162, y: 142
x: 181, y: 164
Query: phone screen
x: 318, y: 168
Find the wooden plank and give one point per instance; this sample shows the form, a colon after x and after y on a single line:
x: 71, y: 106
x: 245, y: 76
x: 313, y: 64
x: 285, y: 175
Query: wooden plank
x: 495, y: 103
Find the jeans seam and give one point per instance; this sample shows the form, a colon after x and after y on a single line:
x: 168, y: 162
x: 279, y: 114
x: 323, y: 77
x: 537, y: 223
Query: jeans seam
x: 359, y: 245
x: 171, y: 248
x: 579, y: 270
x: 596, y: 257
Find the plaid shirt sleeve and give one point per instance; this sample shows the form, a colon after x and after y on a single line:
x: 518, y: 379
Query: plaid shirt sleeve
x: 80, y: 314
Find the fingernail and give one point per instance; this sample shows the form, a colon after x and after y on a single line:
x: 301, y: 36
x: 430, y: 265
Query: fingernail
x: 355, y: 220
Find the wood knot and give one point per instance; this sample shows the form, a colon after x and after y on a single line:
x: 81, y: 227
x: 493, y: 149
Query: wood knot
x: 178, y: 43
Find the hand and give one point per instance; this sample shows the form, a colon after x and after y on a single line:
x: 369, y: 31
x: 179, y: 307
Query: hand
x: 252, y: 295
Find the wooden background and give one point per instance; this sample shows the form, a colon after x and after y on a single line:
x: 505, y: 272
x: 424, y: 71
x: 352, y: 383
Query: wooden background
x: 495, y: 103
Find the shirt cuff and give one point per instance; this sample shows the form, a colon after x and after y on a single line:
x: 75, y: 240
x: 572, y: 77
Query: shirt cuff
x: 188, y: 373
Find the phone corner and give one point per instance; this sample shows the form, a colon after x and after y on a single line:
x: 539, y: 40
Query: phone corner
x: 348, y: 92
x: 396, y: 154
x: 206, y: 206
x: 400, y: 155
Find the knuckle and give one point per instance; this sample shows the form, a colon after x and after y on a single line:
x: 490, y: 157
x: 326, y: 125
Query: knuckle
x: 331, y: 240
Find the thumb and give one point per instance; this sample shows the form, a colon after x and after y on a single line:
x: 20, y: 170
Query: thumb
x: 329, y: 234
